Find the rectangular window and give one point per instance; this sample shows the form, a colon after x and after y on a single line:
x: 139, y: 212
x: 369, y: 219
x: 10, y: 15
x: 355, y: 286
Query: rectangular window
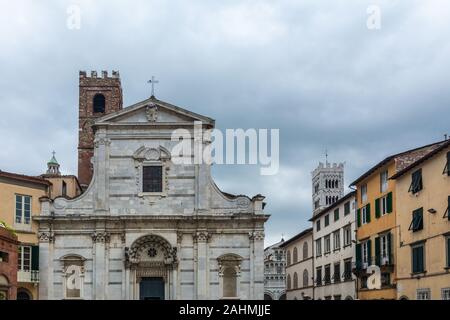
x: 347, y: 235
x: 418, y: 258
x: 385, y: 243
x: 327, y: 220
x: 365, y: 253
x: 336, y: 214
x: 348, y: 269
x: 417, y: 220
x: 416, y: 181
x: 423, y: 294
x: 327, y: 243
x: 327, y: 274
x: 318, y: 247
x: 365, y: 213
x: 319, y: 276
x: 337, y: 240
x: 23, y: 209
x: 152, y: 179
x: 445, y: 294
x: 363, y: 193
x: 383, y: 181
x: 337, y: 272
x: 24, y: 258
x: 318, y: 225
x: 347, y: 208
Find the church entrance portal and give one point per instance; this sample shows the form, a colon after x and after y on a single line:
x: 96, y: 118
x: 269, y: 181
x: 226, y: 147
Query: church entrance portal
x: 151, y: 289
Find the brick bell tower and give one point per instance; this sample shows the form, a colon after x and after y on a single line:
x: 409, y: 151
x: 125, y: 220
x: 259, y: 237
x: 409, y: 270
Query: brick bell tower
x: 99, y: 96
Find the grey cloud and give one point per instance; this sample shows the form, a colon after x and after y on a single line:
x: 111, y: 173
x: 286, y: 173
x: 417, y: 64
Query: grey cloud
x: 310, y: 68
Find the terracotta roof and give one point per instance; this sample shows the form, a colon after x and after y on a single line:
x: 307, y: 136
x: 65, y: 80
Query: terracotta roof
x: 421, y: 160
x: 22, y: 177
x: 334, y: 205
x: 393, y: 157
x: 298, y: 236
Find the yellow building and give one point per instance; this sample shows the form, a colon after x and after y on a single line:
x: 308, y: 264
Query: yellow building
x: 19, y: 203
x: 377, y: 234
x: 423, y: 201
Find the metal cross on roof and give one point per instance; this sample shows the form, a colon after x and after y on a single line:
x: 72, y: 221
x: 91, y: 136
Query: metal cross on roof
x: 153, y: 81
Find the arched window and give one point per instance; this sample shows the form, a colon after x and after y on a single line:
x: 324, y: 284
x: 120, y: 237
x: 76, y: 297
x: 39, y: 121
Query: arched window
x: 337, y: 184
x: 99, y: 103
x: 305, y: 278
x: 326, y: 183
x: 288, y: 257
x: 295, y: 280
x: 295, y: 255
x: 289, y: 281
x: 305, y: 250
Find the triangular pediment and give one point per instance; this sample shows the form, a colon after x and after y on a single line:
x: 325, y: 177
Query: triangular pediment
x: 153, y: 111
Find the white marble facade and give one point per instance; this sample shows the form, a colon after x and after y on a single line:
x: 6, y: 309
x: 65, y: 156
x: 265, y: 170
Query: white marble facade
x: 196, y: 241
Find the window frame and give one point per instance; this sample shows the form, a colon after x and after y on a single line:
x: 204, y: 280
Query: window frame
x: 384, y: 181
x: 416, y: 181
x: 23, y: 218
x: 326, y: 220
x: 327, y: 243
x: 319, y: 247
x: 365, y: 253
x: 364, y: 193
x: 347, y: 229
x: 21, y: 258
x: 417, y: 214
x: 413, y: 247
x: 337, y: 235
x: 347, y: 208
x: 426, y: 291
x: 336, y: 214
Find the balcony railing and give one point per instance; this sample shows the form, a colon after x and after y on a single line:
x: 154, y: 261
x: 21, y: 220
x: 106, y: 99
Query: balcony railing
x: 31, y: 276
x: 381, y: 261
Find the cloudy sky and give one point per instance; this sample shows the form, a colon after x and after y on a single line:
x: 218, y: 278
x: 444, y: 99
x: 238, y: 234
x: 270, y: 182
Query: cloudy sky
x: 311, y: 68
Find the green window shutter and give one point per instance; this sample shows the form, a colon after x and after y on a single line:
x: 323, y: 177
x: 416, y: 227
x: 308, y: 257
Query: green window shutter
x: 377, y: 208
x: 35, y: 258
x: 448, y: 163
x: 377, y: 251
x: 368, y: 212
x: 420, y: 259
x: 369, y: 252
x: 358, y: 256
x: 448, y: 252
x: 389, y: 202
x: 448, y: 210
x: 358, y: 217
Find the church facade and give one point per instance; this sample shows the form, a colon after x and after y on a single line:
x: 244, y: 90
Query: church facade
x: 146, y: 227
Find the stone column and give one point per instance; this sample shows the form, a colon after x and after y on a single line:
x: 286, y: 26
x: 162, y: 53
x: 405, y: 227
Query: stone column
x: 46, y: 239
x: 201, y: 239
x: 100, y: 273
x: 101, y: 164
x: 258, y: 265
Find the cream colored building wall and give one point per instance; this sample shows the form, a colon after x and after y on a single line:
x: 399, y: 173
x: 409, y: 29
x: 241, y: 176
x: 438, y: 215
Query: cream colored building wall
x: 344, y: 288
x: 56, y: 188
x: 434, y: 195
x: 302, y: 264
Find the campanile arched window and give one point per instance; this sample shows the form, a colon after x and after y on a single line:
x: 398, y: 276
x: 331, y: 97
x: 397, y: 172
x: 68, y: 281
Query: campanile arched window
x: 99, y: 103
